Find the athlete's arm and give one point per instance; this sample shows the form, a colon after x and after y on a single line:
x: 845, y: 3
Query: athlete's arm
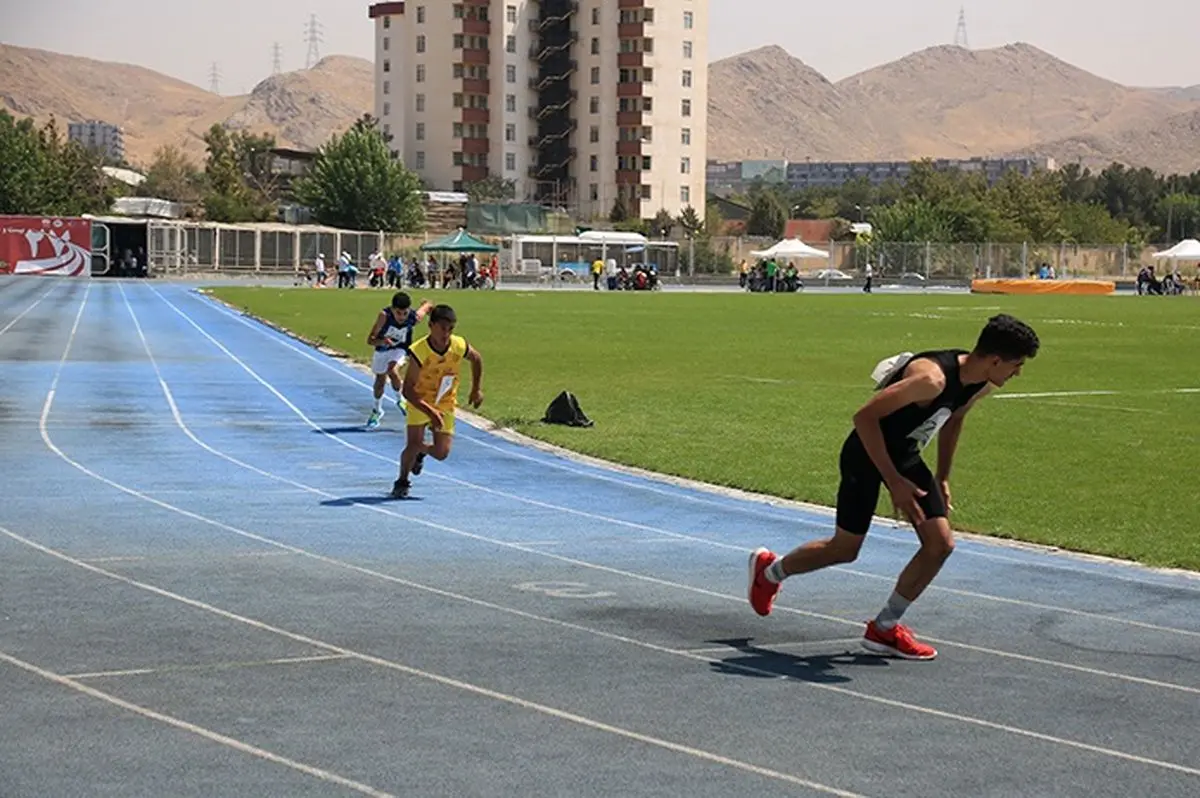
x: 373, y: 338
x: 923, y: 380
x: 423, y: 310
x: 948, y: 436
x: 409, y: 389
x: 476, y: 375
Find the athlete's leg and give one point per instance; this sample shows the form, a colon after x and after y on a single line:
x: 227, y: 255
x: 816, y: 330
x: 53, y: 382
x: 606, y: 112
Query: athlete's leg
x: 442, y: 441
x: 414, y: 449
x: 886, y: 634
x: 396, y: 377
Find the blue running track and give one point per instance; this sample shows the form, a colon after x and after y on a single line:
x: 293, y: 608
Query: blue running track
x: 204, y: 591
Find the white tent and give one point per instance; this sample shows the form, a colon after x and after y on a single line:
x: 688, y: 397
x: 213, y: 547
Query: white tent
x: 790, y: 248
x: 1187, y: 249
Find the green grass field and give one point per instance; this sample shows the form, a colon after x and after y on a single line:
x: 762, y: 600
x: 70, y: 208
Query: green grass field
x: 757, y: 392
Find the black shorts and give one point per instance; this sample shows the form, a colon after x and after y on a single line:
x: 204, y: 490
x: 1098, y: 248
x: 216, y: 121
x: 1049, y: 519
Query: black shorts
x: 858, y: 492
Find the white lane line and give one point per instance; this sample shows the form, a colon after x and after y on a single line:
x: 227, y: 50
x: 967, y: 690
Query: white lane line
x: 746, y: 507
x: 26, y: 311
x: 649, y: 528
x: 436, y: 678
x: 213, y: 666
x: 208, y: 734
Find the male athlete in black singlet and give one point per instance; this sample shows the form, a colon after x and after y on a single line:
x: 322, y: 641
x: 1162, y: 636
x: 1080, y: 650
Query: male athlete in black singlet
x: 925, y: 395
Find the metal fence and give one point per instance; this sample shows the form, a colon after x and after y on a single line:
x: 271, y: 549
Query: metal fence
x: 955, y: 262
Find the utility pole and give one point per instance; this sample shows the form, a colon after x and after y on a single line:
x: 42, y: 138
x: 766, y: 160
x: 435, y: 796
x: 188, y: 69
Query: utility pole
x: 960, y: 33
x: 214, y: 79
x: 312, y: 32
x: 277, y: 59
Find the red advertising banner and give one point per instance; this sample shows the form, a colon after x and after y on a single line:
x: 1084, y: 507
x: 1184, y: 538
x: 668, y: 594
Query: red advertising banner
x: 45, y: 245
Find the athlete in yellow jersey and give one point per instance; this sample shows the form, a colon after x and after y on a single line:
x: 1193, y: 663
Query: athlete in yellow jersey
x: 431, y: 388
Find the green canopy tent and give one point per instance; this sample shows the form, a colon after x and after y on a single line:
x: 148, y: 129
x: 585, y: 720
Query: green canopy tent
x: 459, y: 241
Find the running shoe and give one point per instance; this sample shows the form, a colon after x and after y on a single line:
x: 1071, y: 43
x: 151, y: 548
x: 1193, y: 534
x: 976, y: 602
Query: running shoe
x: 762, y: 592
x: 400, y: 489
x: 896, y: 642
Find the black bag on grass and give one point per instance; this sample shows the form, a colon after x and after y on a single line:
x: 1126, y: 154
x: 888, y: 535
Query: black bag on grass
x: 565, y: 410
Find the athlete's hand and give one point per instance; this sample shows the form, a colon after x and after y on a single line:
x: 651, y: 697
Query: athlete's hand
x: 476, y: 397
x: 435, y: 419
x: 905, y: 495
x: 944, y: 485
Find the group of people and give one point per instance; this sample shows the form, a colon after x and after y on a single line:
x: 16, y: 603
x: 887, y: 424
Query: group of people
x: 917, y: 397
x: 464, y: 271
x: 424, y: 375
x: 766, y: 277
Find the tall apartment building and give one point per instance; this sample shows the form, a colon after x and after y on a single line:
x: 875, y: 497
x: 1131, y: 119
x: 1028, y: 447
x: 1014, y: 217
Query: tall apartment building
x: 579, y: 102
x: 102, y: 137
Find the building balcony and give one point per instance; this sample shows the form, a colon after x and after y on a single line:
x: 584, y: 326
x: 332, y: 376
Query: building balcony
x: 631, y: 30
x: 629, y: 177
x: 476, y: 56
x: 478, y: 116
x: 476, y: 146
x: 629, y: 118
x: 631, y: 59
x: 630, y: 89
x: 473, y: 174
x: 478, y: 27
x: 629, y: 148
x: 476, y: 86
x: 631, y: 3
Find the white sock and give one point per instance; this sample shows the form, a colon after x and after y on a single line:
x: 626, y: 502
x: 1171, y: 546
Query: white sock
x: 774, y: 571
x: 378, y: 404
x: 891, y: 613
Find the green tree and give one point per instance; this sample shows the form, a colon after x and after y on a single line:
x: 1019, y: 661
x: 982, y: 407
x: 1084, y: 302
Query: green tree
x: 235, y: 160
x: 42, y: 173
x: 690, y: 221
x: 492, y: 188
x: 356, y: 183
x: 767, y: 215
x: 172, y: 176
x: 1086, y: 223
x: 662, y: 223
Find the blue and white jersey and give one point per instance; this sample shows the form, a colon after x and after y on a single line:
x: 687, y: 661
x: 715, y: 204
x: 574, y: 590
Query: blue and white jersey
x: 398, y: 329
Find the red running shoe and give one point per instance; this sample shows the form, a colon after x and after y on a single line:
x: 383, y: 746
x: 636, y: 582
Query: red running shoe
x: 897, y: 642
x: 761, y: 592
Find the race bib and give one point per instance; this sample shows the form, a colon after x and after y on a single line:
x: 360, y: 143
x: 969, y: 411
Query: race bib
x: 444, y: 388
x: 397, y: 335
x: 924, y: 433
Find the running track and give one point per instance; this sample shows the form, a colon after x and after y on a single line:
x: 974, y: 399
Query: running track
x: 204, y: 592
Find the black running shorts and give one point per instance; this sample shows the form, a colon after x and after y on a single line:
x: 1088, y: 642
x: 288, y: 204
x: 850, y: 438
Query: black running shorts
x: 858, y: 493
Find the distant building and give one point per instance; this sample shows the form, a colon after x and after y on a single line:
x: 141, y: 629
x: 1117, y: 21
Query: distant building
x: 736, y: 176
x: 101, y: 137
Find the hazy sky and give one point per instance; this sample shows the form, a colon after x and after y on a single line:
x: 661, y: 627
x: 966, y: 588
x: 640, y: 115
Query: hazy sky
x: 183, y: 39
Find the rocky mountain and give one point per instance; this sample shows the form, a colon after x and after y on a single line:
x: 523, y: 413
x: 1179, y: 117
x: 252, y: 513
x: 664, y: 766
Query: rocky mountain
x: 945, y: 102
x: 300, y: 108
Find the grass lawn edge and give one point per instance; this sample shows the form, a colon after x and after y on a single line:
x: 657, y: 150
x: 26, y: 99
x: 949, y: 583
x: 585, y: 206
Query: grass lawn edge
x: 485, y: 424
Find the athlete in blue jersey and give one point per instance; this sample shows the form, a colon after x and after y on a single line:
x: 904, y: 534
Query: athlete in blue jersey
x: 392, y: 335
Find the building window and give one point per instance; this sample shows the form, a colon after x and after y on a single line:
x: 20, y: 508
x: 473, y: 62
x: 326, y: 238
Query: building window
x: 685, y: 166
x: 420, y: 73
x: 685, y: 195
x: 685, y: 136
x: 687, y: 78
x: 595, y: 134
x: 458, y: 11
x: 594, y: 192
x: 387, y: 22
x: 458, y: 41
x: 688, y: 19
x: 387, y: 87
x: 594, y: 163
x: 420, y: 102
x: 645, y: 192
x: 510, y: 161
x: 387, y: 131
x: 419, y: 163
x: 457, y: 71
x: 457, y: 130
x: 421, y: 43
x: 595, y: 75
x: 510, y: 13
x: 594, y: 105
x: 510, y: 74
x: 387, y: 43
x: 595, y: 46
x: 687, y: 49
x: 510, y: 132
x: 420, y: 131
x: 510, y: 44
x: 457, y: 100
x: 420, y: 15
x: 686, y: 108
x: 595, y: 16
x: 646, y: 163
x: 387, y: 65
x: 510, y: 103
x: 387, y: 109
